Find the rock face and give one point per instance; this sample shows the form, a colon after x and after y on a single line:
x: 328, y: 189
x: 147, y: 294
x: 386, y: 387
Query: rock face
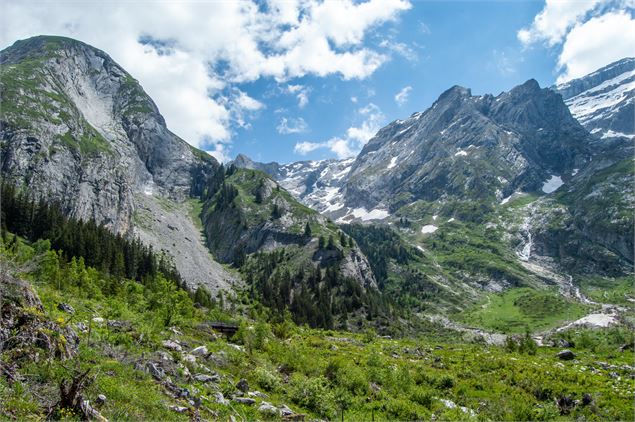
x: 77, y: 128
x: 469, y: 147
x: 604, y: 101
x: 252, y: 213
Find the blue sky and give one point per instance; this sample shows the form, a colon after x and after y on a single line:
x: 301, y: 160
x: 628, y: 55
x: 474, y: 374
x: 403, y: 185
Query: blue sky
x: 473, y: 44
x: 290, y: 80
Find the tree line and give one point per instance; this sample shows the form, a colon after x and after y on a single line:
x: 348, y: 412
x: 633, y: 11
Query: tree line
x: 35, y: 218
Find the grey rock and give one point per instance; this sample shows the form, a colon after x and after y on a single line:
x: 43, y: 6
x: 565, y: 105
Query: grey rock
x: 178, y: 409
x: 101, y: 399
x: 65, y: 307
x: 199, y: 351
x: 242, y: 385
x: 206, y: 378
x: 268, y: 408
x: 172, y: 345
x: 220, y: 399
x: 285, y: 410
x: 257, y: 394
x: 157, y: 372
x: 565, y: 355
x: 244, y: 400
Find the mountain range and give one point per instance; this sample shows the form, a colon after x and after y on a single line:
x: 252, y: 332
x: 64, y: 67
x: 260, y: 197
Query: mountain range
x: 476, y: 193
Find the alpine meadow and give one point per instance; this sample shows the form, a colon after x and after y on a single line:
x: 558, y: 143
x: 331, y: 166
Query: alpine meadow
x: 386, y: 245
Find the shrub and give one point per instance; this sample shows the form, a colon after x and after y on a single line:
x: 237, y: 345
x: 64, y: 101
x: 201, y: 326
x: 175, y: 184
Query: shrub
x: 314, y: 394
x: 266, y: 379
x: 446, y: 382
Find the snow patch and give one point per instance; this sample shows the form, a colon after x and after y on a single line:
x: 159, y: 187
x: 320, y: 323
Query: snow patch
x: 460, y: 153
x: 553, y: 183
x: 375, y: 214
x: 593, y: 320
x: 451, y: 220
x: 429, y: 228
x: 434, y: 217
x: 612, y: 134
x: 506, y: 200
x: 393, y: 163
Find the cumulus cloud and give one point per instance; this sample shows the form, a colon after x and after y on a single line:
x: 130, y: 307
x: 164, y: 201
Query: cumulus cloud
x: 290, y: 125
x: 189, y: 56
x: 353, y: 140
x: 301, y: 92
x: 589, y: 34
x: 595, y: 43
x: 401, y: 97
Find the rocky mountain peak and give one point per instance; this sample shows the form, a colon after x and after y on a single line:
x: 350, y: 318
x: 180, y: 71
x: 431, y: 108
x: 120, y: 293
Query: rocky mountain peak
x: 604, y: 102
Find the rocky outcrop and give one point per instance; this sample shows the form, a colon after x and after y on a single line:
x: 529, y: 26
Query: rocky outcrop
x: 77, y: 128
x: 26, y: 334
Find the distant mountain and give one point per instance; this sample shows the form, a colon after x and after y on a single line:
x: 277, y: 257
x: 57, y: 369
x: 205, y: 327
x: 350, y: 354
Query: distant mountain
x: 470, y: 148
x: 317, y: 184
x: 604, y: 101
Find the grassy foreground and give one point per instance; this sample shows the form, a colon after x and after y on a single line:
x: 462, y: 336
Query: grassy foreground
x: 123, y: 327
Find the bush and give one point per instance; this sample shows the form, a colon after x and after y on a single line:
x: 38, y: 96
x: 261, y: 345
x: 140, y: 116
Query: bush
x: 314, y: 394
x: 422, y: 397
x: 266, y: 379
x: 446, y: 382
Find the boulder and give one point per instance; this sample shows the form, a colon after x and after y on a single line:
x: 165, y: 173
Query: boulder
x: 206, y: 378
x: 268, y: 408
x: 244, y: 400
x: 172, y: 345
x: 220, y: 399
x: 199, y: 351
x: 65, y: 307
x: 565, y: 354
x: 242, y: 385
x: 157, y: 372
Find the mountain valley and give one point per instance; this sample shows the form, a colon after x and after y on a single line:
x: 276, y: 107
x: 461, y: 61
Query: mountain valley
x: 479, y: 237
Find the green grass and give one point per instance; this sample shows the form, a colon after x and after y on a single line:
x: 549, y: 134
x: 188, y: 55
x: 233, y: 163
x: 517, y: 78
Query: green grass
x: 316, y: 372
x: 518, y: 310
x: 615, y: 291
x: 194, y: 210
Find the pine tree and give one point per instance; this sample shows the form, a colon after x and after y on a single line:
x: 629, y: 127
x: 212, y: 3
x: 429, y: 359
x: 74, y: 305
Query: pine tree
x: 307, y: 230
x: 331, y: 244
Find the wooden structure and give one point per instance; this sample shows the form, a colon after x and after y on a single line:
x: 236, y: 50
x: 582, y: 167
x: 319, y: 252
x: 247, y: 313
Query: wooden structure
x: 224, y: 328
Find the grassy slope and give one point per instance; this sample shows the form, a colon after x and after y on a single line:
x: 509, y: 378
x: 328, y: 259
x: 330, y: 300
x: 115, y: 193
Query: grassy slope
x: 314, y: 372
x: 523, y: 309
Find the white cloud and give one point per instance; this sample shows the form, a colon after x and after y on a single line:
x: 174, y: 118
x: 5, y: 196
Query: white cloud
x: 595, y: 43
x: 355, y: 138
x: 555, y: 19
x: 189, y: 56
x: 354, y: 99
x: 401, y: 49
x: 588, y: 34
x: 220, y: 153
x: 301, y: 92
x: 290, y: 125
x: 303, y: 148
x: 401, y: 97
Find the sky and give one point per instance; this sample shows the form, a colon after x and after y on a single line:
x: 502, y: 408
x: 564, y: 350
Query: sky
x: 290, y: 80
